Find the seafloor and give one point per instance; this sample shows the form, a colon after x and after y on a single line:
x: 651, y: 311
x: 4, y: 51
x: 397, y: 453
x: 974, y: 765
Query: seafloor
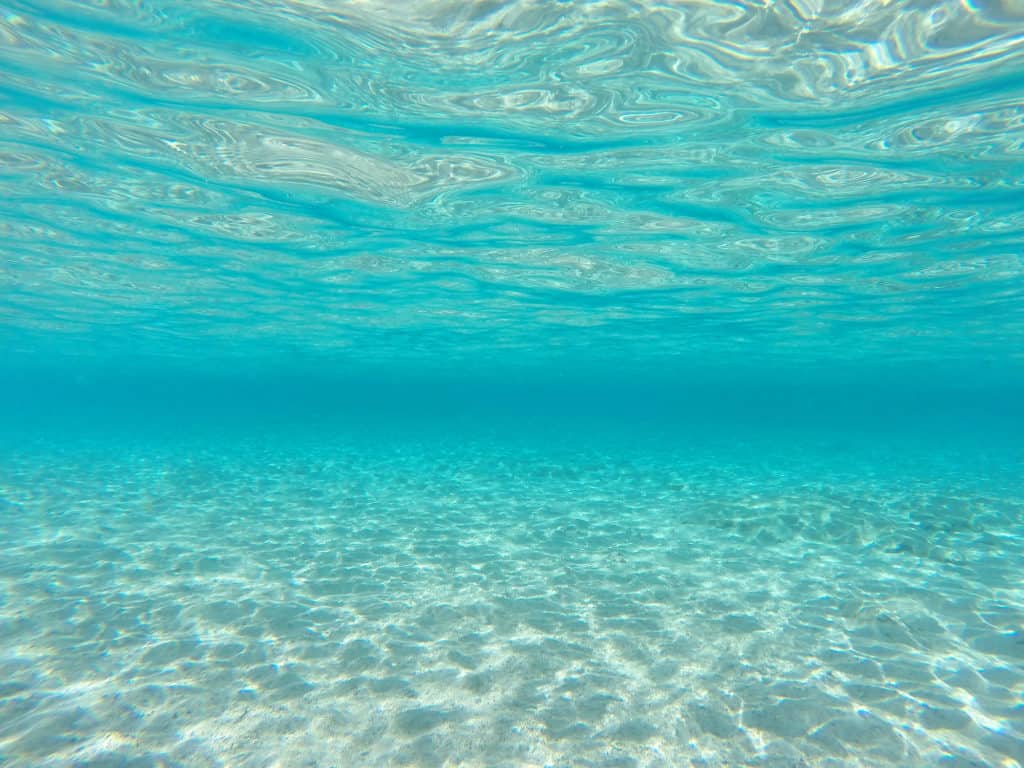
x: 479, y: 602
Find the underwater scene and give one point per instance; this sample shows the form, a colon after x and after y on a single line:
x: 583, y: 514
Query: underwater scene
x: 499, y: 383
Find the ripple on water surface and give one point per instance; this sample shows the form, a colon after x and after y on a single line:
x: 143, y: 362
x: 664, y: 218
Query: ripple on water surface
x: 386, y: 179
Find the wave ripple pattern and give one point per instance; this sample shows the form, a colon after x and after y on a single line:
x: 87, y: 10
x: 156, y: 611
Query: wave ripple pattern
x: 391, y: 178
x: 461, y: 603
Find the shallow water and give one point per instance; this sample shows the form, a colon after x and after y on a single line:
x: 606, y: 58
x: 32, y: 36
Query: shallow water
x: 512, y: 383
x: 428, y: 597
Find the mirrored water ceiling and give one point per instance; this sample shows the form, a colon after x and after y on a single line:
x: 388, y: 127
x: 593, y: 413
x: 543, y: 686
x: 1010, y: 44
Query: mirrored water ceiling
x: 797, y: 179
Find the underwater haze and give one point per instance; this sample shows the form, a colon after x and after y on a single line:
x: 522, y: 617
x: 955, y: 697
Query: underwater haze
x: 583, y: 384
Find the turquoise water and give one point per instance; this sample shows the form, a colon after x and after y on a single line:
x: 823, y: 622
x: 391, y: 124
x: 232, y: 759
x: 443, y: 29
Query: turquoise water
x: 511, y: 384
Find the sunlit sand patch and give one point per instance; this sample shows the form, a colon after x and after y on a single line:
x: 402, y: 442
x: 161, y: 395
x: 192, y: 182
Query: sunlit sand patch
x: 478, y: 610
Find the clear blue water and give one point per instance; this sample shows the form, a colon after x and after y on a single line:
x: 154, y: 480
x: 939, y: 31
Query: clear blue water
x: 511, y: 383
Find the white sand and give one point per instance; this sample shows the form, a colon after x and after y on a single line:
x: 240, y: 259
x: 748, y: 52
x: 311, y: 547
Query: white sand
x: 345, y: 605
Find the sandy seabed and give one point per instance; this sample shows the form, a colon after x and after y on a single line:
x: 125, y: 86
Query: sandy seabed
x: 341, y: 603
